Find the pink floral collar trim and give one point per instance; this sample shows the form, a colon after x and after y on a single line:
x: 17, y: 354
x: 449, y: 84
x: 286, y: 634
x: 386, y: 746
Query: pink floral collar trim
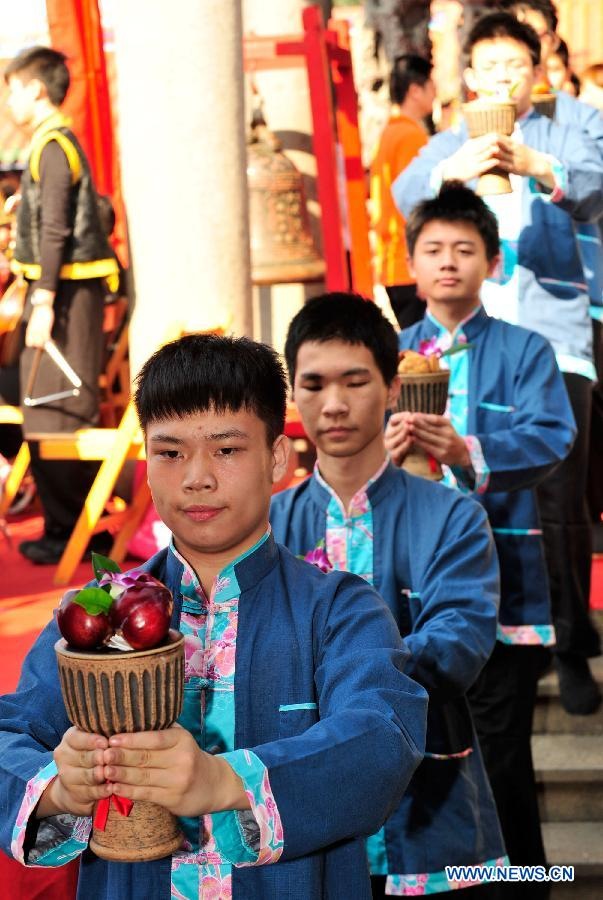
x: 359, y: 504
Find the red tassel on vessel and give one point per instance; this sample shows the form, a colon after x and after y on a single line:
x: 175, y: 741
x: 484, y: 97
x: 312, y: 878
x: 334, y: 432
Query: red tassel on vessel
x: 121, y: 804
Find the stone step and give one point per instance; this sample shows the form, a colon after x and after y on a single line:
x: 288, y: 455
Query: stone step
x: 579, y: 844
x: 569, y: 775
x: 581, y: 889
x: 551, y: 718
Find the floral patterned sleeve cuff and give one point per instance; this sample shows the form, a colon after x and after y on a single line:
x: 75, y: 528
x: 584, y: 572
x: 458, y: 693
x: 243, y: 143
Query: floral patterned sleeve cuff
x: 251, y: 837
x: 560, y: 176
x: 475, y: 479
x: 54, y: 841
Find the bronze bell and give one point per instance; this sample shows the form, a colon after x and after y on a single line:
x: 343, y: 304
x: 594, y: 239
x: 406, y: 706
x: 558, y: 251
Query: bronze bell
x: 282, y: 248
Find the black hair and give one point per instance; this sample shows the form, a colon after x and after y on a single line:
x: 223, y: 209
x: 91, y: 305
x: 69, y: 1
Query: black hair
x: 455, y: 203
x: 340, y: 316
x: 545, y: 7
x: 504, y: 25
x: 45, y: 64
x: 201, y: 372
x: 407, y: 70
x: 562, y: 51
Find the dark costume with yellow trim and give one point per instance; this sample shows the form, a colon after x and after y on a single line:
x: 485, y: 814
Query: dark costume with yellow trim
x: 61, y: 246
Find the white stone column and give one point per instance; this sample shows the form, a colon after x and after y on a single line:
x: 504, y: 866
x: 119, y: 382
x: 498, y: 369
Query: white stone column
x: 181, y: 131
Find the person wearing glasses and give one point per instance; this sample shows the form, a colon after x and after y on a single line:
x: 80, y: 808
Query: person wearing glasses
x: 565, y: 497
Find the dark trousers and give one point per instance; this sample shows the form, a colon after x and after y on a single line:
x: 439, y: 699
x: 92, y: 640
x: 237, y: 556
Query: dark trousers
x: 567, y: 532
x: 502, y: 703
x: 595, y: 461
x: 63, y: 485
x: 11, y: 436
x: 407, y: 306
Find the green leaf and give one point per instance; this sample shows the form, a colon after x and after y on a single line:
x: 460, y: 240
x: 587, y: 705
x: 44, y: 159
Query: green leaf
x: 102, y: 564
x: 94, y: 600
x: 456, y: 348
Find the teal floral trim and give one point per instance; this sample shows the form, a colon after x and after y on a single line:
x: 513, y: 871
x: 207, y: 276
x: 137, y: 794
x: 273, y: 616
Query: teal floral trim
x: 509, y: 257
x: 214, y: 842
x: 67, y: 850
x: 349, y: 542
x: 560, y: 189
x: 596, y: 312
x: 496, y: 407
x: 293, y: 706
x: 457, y: 410
x: 443, y: 756
x: 561, y: 282
x: 226, y: 587
x: 186, y: 875
x: 519, y: 532
x: 254, y: 775
x: 426, y: 883
x: 476, y: 479
x: 349, y: 533
x: 376, y: 849
x: 479, y: 464
x: 526, y: 635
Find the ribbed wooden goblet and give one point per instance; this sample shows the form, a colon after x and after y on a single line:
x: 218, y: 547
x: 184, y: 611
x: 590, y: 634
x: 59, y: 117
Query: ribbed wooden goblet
x: 110, y: 692
x: 482, y: 117
x: 426, y: 393
x: 545, y: 104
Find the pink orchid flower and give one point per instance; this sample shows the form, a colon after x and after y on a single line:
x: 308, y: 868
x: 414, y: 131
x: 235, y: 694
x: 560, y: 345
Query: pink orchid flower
x: 430, y: 347
x: 319, y: 558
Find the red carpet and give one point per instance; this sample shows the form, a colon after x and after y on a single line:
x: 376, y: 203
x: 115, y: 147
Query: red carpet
x: 27, y: 599
x: 19, y: 883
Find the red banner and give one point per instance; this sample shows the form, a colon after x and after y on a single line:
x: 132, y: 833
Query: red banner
x: 76, y: 30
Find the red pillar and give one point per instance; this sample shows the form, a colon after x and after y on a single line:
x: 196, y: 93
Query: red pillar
x: 76, y: 30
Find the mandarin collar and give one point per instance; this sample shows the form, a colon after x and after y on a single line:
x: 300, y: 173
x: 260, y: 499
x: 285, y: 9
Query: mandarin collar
x: 377, y: 491
x: 248, y: 569
x: 471, y: 326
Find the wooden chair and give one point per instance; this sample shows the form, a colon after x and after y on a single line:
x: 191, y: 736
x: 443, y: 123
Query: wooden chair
x: 114, y: 382
x: 114, y: 385
x: 112, y: 446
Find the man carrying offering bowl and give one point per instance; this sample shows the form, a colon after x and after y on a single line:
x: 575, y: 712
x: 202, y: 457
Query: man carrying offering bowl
x: 429, y: 553
x: 562, y: 496
x: 299, y: 730
x: 540, y: 283
x: 509, y: 423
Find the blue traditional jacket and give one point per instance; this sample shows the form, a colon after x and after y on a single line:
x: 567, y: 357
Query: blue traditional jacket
x: 320, y: 702
x: 540, y: 283
x: 507, y: 397
x: 582, y: 117
x: 430, y: 554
